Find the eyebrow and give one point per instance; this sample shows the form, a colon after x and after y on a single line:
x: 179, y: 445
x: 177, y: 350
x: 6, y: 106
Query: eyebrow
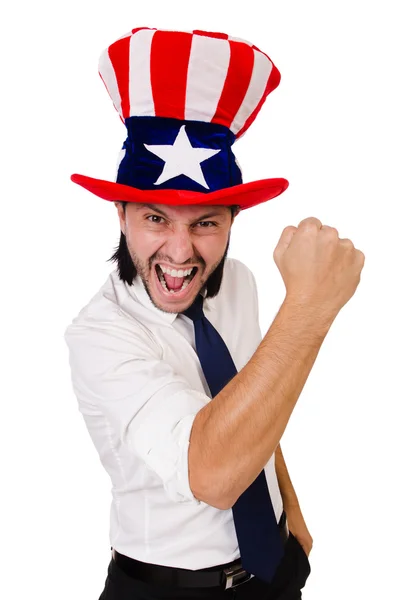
x: 214, y: 213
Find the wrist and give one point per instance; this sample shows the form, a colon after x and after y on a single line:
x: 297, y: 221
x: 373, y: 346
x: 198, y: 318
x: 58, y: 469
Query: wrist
x: 289, y: 504
x: 309, y: 313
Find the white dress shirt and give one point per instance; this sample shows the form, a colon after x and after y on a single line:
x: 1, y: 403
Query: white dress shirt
x: 139, y: 385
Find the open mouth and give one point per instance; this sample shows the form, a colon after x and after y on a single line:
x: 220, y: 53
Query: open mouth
x: 179, y: 284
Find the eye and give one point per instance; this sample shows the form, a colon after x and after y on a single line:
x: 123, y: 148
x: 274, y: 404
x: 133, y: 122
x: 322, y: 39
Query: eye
x: 155, y: 217
x: 206, y: 223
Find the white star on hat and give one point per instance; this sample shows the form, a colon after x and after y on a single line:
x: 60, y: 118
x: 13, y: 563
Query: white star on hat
x: 182, y: 159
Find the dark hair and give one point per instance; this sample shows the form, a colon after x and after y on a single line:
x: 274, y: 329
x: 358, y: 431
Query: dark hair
x: 127, y: 271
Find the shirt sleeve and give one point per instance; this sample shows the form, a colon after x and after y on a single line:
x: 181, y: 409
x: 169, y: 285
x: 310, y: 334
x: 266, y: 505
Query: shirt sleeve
x: 255, y: 309
x: 119, y: 371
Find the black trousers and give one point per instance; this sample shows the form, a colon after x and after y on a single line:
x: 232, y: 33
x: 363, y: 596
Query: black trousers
x: 289, y: 579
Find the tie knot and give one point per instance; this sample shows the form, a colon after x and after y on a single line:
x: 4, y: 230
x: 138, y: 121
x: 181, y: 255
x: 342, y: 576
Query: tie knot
x: 195, y: 311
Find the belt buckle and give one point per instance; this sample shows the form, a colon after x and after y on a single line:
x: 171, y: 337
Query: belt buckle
x: 233, y: 574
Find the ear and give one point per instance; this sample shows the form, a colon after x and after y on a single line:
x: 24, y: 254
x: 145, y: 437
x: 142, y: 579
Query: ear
x: 121, y: 215
x: 235, y: 214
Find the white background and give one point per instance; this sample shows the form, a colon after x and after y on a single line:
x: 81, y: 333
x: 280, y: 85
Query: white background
x: 330, y: 129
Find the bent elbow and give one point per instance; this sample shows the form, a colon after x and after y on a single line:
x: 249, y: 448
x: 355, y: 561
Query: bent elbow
x: 211, y: 496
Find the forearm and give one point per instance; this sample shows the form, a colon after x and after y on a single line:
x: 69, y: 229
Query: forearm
x: 235, y: 434
x: 284, y: 482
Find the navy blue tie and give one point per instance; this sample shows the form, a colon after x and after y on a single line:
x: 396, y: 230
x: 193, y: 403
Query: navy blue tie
x: 258, y: 535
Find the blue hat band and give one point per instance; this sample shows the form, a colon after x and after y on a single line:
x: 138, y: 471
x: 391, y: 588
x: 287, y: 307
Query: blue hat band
x: 164, y: 153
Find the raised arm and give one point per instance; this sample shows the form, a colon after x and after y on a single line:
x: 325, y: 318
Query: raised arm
x: 234, y: 435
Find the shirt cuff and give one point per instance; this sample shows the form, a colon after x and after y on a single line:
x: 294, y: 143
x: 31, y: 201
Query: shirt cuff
x: 163, y: 446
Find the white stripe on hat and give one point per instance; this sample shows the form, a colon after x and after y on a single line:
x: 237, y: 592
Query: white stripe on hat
x: 128, y: 34
x: 236, y: 39
x: 259, y: 78
x: 140, y: 87
x: 205, y: 80
x: 109, y: 78
x: 119, y: 159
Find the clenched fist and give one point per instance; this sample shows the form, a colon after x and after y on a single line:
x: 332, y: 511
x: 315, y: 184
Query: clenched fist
x: 317, y: 266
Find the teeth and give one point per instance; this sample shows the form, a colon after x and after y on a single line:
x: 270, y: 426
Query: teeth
x: 163, y: 283
x: 174, y: 272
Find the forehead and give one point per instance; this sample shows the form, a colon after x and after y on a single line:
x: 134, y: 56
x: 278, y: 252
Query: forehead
x: 188, y: 211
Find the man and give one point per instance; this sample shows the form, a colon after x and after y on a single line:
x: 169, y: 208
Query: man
x: 184, y: 401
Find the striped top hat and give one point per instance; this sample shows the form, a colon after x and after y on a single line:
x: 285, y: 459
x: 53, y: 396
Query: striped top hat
x: 184, y: 97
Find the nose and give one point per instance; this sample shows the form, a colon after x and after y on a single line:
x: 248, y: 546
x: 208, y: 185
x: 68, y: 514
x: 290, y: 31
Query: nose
x: 179, y: 247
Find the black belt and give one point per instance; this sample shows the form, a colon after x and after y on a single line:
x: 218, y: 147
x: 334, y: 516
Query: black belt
x: 226, y: 576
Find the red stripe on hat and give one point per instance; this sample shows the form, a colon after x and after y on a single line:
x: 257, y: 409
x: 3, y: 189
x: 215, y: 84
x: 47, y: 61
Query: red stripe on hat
x: 272, y: 83
x: 119, y: 57
x: 236, y: 84
x: 139, y: 29
x: 212, y: 34
x: 169, y: 62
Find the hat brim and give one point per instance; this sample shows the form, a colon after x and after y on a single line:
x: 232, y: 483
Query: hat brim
x: 245, y: 194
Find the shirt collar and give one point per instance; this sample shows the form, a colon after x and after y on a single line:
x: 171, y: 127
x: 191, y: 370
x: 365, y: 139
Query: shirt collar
x: 143, y: 298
